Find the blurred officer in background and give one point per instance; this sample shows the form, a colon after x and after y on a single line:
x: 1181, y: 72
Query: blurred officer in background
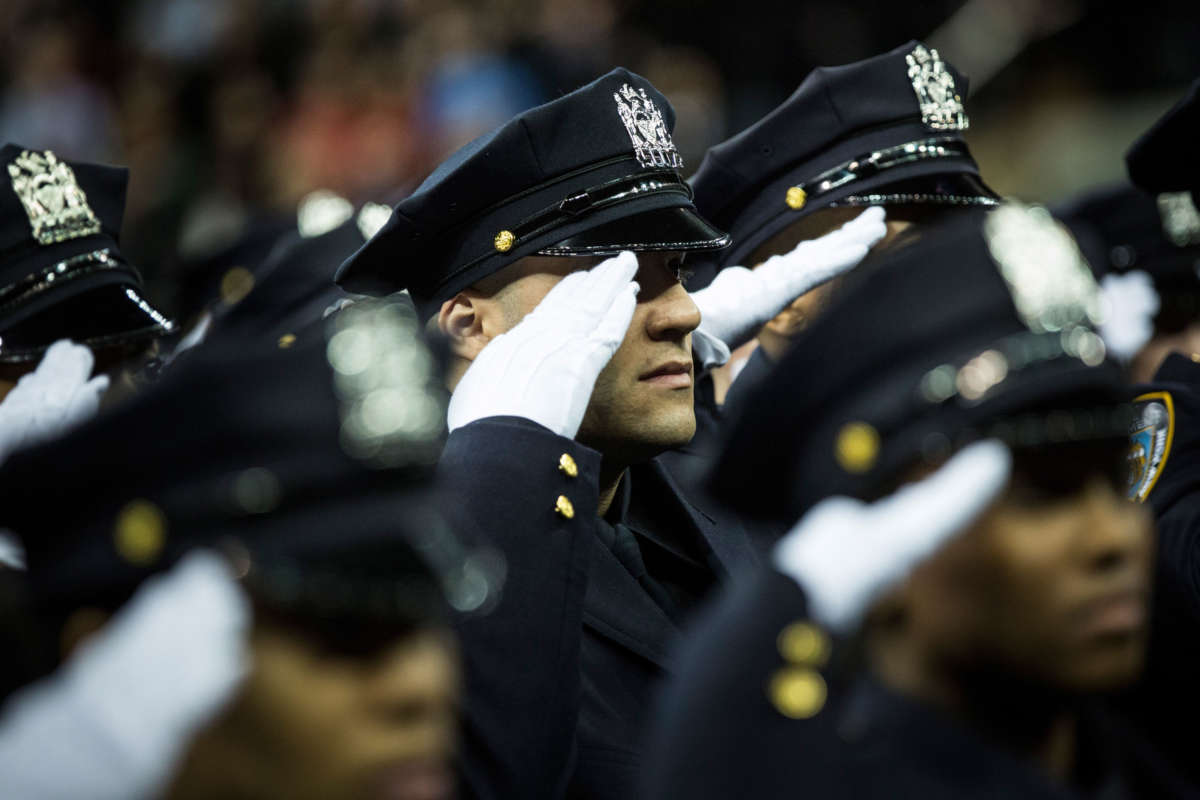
x: 306, y: 651
x: 1148, y: 238
x: 986, y: 611
x: 292, y: 287
x: 569, y: 378
x: 886, y: 131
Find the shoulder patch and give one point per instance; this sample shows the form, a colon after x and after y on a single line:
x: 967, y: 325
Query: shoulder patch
x: 1150, y: 440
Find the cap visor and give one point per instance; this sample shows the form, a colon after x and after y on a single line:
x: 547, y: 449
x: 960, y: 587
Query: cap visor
x: 101, y: 317
x: 657, y: 229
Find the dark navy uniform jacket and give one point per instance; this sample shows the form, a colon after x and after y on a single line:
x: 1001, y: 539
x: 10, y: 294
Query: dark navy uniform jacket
x: 749, y: 716
x: 1167, y: 699
x: 560, y: 676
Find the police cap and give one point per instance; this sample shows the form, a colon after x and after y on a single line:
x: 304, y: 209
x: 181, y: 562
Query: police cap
x: 884, y: 130
x: 306, y: 460
x: 591, y: 173
x: 983, y: 328
x: 62, y: 274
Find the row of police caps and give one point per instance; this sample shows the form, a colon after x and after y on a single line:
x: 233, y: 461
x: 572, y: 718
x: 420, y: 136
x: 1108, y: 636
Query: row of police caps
x: 307, y: 458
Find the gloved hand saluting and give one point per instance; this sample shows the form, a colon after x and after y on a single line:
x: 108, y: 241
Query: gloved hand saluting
x: 845, y: 553
x: 544, y: 369
x: 114, y: 721
x: 52, y: 399
x: 740, y: 301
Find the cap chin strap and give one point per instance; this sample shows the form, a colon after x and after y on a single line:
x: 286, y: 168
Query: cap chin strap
x: 598, y: 198
x: 871, y: 164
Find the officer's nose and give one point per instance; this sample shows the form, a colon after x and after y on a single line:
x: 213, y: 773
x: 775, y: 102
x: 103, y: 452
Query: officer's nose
x: 1119, y: 532
x: 670, y: 312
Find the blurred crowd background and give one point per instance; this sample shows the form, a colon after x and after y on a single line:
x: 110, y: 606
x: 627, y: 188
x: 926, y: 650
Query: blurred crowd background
x: 230, y: 112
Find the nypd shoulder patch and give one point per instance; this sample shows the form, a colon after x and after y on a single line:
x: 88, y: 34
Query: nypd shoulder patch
x: 1150, y: 439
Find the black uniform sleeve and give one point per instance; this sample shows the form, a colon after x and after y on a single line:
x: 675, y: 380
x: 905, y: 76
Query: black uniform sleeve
x: 742, y: 709
x: 507, y: 479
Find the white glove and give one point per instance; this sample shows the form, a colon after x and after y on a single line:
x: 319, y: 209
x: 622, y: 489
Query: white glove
x: 1130, y: 302
x: 739, y: 301
x: 52, y: 399
x: 114, y: 721
x: 544, y: 369
x: 844, y: 553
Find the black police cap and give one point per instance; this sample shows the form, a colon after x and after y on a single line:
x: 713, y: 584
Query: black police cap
x: 1122, y: 228
x: 308, y: 463
x: 977, y: 329
x: 293, y: 288
x: 62, y: 274
x: 591, y: 173
x: 884, y: 130
x: 1165, y: 158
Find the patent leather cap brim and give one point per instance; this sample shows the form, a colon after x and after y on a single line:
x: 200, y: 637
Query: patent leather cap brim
x: 111, y: 315
x: 654, y: 230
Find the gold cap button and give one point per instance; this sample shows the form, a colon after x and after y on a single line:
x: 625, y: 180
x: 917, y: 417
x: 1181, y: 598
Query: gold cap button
x: 804, y: 644
x: 797, y: 693
x: 504, y: 241
x: 567, y: 464
x: 564, y: 507
x: 796, y: 198
x: 857, y: 447
x: 287, y: 340
x: 235, y: 285
x: 140, y: 532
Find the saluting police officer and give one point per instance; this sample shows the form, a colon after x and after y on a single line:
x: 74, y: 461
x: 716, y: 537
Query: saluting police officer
x: 1147, y: 238
x: 949, y: 640
x: 886, y: 131
x: 289, y: 634
x: 567, y: 385
x: 62, y: 271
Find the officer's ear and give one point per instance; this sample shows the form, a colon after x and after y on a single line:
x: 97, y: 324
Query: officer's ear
x: 461, y: 321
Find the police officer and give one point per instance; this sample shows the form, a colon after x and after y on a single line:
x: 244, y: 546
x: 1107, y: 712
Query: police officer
x: 299, y: 645
x: 886, y: 131
x: 971, y: 674
x: 567, y: 385
x: 1149, y: 235
x: 63, y: 277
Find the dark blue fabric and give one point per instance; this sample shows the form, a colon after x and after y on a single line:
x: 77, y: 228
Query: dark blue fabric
x: 561, y: 677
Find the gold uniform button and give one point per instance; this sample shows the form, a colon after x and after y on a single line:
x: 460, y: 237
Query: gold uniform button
x: 797, y: 693
x: 567, y: 465
x: 287, y: 340
x: 804, y: 644
x: 857, y: 447
x: 504, y: 241
x: 796, y: 198
x: 140, y: 532
x: 235, y: 285
x: 564, y: 507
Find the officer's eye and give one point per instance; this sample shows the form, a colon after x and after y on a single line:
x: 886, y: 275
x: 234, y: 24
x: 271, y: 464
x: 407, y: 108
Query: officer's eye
x: 681, y: 273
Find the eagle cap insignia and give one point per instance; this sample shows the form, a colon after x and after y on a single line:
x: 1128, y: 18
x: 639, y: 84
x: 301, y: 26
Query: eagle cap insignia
x: 54, y: 201
x: 941, y: 106
x: 652, y: 143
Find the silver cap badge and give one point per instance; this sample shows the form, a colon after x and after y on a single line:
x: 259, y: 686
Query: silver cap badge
x: 53, y: 199
x: 941, y: 106
x: 1180, y: 219
x: 1051, y: 284
x: 652, y: 143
